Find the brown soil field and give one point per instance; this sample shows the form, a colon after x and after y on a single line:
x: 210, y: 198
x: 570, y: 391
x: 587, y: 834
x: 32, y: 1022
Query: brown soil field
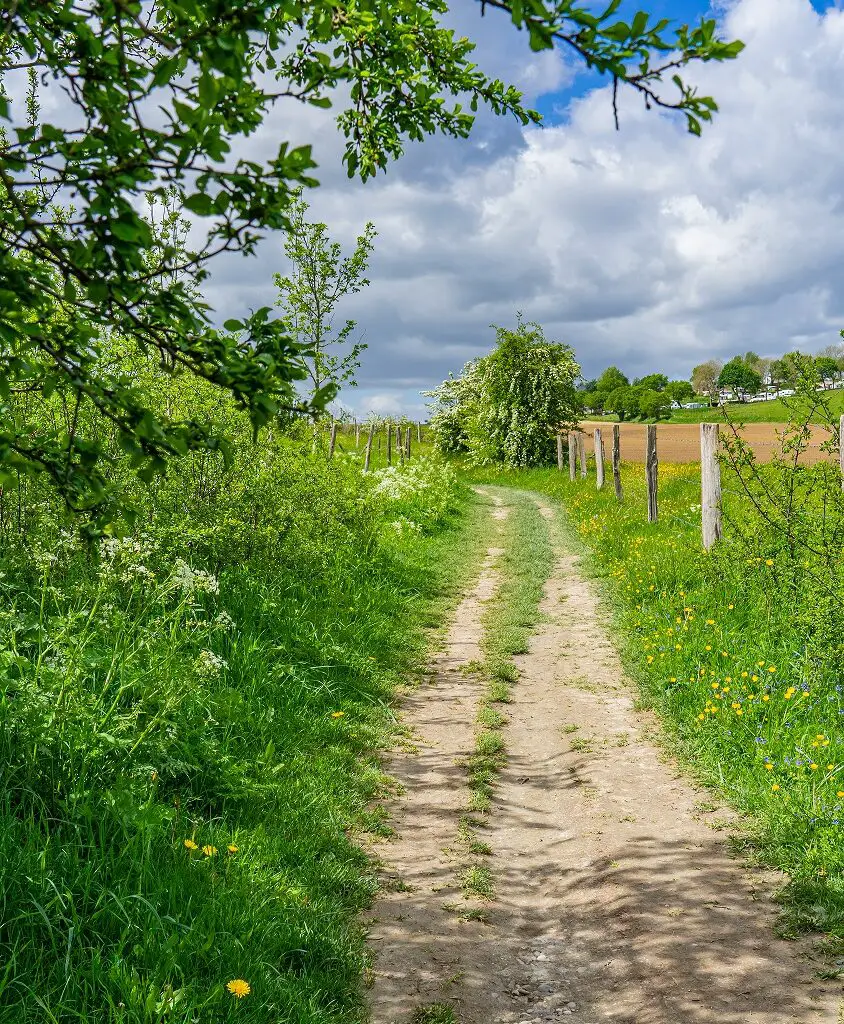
x: 680, y: 442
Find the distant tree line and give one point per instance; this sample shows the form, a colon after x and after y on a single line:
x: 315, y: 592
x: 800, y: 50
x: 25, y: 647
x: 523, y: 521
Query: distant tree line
x: 653, y: 396
x: 649, y: 397
x: 744, y: 376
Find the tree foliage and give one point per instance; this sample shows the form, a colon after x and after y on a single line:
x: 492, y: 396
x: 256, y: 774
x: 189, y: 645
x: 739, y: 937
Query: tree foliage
x: 157, y: 96
x: 308, y: 297
x: 610, y: 379
x: 507, y: 406
x: 705, y: 379
x: 740, y: 378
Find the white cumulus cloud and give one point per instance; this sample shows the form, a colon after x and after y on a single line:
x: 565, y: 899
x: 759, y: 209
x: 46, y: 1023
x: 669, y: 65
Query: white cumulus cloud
x: 645, y: 247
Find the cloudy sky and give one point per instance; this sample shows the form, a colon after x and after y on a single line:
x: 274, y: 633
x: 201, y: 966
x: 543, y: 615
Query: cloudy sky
x: 646, y: 248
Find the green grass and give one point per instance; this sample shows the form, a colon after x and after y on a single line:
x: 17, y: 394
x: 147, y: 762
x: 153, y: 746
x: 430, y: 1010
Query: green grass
x: 776, y: 410
x: 188, y: 754
x: 435, y: 1013
x: 740, y: 655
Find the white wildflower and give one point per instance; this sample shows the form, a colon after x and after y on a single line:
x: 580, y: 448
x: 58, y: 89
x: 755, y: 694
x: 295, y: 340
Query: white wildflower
x: 209, y: 664
x: 223, y: 620
x: 194, y: 581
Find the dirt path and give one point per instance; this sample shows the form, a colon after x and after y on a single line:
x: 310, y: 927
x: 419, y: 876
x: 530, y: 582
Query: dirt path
x: 616, y: 898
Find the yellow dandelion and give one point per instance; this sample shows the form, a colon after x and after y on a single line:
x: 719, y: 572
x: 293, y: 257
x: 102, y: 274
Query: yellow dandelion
x: 774, y: 788
x: 702, y: 718
x: 771, y: 668
x: 814, y: 767
x: 840, y: 793
x: 238, y: 987
x: 231, y: 848
x: 337, y: 714
x: 731, y: 606
x: 766, y: 697
x: 709, y: 647
x: 769, y: 561
x: 209, y: 851
x: 190, y: 845
x: 770, y: 767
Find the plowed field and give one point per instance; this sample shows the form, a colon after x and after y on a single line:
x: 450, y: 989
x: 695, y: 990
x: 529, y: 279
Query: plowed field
x: 680, y: 442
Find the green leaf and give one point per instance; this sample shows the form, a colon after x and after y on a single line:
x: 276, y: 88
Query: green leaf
x: 640, y: 23
x: 199, y: 203
x: 620, y: 31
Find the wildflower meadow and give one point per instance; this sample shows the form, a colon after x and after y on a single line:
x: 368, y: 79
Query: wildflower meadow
x: 190, y: 719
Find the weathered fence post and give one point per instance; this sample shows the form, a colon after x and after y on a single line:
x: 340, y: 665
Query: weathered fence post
x: 599, y: 458
x: 616, y: 460
x: 572, y: 455
x: 559, y: 451
x: 581, y: 447
x: 333, y: 440
x: 368, y: 447
x: 389, y: 444
x: 407, y: 442
x: 419, y: 432
x: 710, y: 485
x: 841, y: 448
x: 651, y: 473
x: 357, y: 434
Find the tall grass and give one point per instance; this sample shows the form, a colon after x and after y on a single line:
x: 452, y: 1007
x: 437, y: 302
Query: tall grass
x: 738, y: 652
x: 188, y: 724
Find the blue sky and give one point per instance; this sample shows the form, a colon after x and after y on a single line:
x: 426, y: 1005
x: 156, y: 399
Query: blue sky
x: 553, y: 105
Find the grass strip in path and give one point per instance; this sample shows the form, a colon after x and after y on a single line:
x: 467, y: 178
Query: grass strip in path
x: 508, y: 621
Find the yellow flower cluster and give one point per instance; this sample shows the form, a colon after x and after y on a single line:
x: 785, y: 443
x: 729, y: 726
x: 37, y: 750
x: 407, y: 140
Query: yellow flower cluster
x: 238, y: 987
x: 208, y: 850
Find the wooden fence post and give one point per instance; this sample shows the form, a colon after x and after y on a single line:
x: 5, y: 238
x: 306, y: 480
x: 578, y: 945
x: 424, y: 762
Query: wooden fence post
x: 368, y: 447
x: 389, y: 444
x: 599, y: 458
x: 581, y: 447
x: 407, y: 442
x: 357, y: 434
x: 616, y: 460
x: 572, y: 455
x: 710, y: 485
x: 333, y: 440
x: 651, y: 473
x: 419, y: 432
x: 559, y: 451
